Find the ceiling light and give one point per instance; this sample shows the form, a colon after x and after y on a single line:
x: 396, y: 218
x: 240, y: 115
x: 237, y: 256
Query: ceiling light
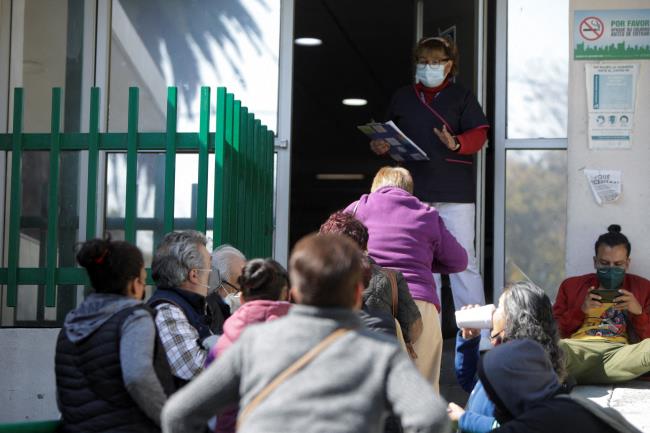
x: 339, y: 176
x: 308, y: 42
x: 354, y: 102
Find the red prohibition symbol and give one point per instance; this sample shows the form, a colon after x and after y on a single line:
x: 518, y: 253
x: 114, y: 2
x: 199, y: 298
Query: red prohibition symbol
x: 591, y: 28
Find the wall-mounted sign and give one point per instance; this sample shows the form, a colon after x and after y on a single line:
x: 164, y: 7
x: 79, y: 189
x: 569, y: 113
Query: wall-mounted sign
x: 611, y: 97
x: 611, y: 34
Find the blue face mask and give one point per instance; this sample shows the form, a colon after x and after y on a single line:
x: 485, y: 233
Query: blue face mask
x: 430, y: 75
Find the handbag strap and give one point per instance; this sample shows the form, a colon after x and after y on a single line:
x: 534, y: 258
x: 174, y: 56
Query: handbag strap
x: 291, y: 370
x: 392, y: 277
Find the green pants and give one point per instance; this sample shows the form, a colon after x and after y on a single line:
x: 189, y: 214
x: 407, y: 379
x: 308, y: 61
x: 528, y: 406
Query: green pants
x: 591, y: 362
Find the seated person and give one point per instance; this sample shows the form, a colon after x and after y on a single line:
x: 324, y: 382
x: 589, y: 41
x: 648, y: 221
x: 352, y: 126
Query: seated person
x: 597, y: 331
x: 316, y: 369
x: 519, y: 378
x: 524, y: 311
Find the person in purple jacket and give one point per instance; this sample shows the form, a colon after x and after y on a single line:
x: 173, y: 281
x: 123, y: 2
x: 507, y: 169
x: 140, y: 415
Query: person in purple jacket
x: 408, y: 235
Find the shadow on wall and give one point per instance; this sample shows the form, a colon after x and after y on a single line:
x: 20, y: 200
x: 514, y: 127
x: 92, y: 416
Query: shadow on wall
x: 194, y: 30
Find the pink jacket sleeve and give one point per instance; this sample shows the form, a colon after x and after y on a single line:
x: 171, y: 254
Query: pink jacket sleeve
x: 449, y: 257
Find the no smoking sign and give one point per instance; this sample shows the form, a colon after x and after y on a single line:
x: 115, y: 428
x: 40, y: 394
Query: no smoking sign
x: 591, y: 28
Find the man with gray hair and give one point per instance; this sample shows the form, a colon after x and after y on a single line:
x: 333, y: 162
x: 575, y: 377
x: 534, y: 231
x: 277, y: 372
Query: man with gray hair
x: 227, y: 264
x: 181, y: 270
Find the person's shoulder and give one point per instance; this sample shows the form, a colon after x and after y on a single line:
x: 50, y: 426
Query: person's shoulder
x: 638, y: 279
x: 577, y: 280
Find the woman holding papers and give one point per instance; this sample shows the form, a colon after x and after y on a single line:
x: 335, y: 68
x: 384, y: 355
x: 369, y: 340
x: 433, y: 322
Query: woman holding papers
x: 446, y: 121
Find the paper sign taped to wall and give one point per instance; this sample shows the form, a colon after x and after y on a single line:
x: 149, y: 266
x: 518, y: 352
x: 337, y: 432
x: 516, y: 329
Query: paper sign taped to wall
x: 604, y: 184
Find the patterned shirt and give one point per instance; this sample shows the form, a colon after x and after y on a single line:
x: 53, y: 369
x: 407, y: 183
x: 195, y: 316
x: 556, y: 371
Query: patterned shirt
x: 603, y: 323
x: 180, y: 340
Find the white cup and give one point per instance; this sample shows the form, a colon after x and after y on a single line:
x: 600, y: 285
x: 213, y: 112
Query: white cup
x: 475, y: 318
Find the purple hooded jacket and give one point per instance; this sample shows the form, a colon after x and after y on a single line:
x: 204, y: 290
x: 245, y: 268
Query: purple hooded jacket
x: 408, y: 235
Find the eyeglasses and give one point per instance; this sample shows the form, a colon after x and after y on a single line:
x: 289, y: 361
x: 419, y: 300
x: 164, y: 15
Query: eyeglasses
x: 433, y: 62
x: 226, y: 283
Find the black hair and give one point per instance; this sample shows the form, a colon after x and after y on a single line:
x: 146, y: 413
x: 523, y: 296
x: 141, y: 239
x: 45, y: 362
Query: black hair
x: 613, y: 238
x: 110, y: 264
x: 263, y: 279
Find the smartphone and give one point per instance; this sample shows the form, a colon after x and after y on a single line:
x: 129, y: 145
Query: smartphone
x: 607, y: 295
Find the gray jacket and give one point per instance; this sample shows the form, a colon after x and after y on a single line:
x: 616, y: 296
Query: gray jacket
x: 349, y: 387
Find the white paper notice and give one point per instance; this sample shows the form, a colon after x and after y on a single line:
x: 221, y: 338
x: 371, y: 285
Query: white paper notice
x: 604, y: 184
x: 611, y: 95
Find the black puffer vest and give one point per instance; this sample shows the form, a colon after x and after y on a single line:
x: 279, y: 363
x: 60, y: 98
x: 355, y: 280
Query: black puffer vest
x: 91, y: 392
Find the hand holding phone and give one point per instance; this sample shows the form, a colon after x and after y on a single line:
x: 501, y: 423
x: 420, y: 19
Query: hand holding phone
x: 606, y: 295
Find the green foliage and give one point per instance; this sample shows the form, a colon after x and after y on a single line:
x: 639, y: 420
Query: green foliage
x: 536, y: 197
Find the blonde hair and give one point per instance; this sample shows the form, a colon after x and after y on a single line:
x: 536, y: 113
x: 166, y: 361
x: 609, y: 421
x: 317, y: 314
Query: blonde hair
x: 398, y: 177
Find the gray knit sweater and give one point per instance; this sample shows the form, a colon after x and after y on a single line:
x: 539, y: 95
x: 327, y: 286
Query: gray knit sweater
x: 349, y: 387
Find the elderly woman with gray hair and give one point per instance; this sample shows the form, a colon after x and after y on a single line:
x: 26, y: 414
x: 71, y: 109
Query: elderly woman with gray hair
x: 181, y: 270
x: 524, y: 312
x: 408, y: 235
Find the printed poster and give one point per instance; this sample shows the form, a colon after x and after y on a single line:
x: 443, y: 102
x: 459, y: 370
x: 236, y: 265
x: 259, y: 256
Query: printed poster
x: 605, y: 185
x: 611, y: 97
x: 611, y: 34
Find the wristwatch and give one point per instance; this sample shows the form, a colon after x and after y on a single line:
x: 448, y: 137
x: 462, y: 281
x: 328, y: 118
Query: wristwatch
x: 457, y: 144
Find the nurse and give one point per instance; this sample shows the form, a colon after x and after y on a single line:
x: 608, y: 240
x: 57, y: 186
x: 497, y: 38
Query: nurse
x: 447, y: 122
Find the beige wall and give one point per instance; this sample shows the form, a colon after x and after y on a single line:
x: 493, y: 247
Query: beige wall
x: 586, y: 220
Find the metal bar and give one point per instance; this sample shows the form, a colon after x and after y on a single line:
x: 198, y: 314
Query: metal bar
x: 258, y: 159
x: 16, y: 192
x: 219, y: 175
x: 202, y: 194
x: 53, y: 200
x: 535, y: 143
x: 93, y: 158
x: 170, y: 159
x: 229, y: 171
x: 131, y: 166
x: 270, y: 174
x: 242, y: 220
x: 500, y: 91
x: 234, y: 178
x: 248, y: 171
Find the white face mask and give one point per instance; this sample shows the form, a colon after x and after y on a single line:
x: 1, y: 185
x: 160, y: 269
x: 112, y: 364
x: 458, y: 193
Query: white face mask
x: 234, y: 301
x: 430, y: 75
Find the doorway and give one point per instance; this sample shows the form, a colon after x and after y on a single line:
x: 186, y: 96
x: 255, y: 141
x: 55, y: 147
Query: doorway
x: 365, y: 52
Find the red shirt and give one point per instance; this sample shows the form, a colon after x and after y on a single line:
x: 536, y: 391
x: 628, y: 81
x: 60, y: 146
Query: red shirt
x: 567, y: 309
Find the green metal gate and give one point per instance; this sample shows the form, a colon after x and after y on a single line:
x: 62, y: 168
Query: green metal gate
x: 243, y: 180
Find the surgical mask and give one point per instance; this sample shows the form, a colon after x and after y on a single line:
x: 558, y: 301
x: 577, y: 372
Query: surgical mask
x: 430, y: 75
x: 234, y: 301
x: 610, y: 277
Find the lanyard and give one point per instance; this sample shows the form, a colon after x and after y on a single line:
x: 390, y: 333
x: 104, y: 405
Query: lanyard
x: 435, y: 113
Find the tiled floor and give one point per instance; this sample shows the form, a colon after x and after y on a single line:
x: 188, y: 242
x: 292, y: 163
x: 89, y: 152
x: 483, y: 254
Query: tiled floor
x: 631, y: 399
x: 449, y: 388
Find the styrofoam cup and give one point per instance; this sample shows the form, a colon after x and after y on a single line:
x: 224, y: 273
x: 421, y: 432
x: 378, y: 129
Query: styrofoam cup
x: 475, y: 318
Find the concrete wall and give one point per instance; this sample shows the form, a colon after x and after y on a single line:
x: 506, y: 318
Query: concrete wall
x: 586, y: 220
x: 27, y: 383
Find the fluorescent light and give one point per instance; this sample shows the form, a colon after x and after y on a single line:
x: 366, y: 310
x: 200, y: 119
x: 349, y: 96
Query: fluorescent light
x: 354, y: 102
x: 308, y: 42
x: 339, y: 176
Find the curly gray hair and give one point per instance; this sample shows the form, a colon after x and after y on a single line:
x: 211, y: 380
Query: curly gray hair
x: 177, y: 254
x: 529, y: 314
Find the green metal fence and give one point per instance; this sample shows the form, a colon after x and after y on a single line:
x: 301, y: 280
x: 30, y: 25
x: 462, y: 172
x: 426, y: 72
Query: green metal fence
x: 243, y: 180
